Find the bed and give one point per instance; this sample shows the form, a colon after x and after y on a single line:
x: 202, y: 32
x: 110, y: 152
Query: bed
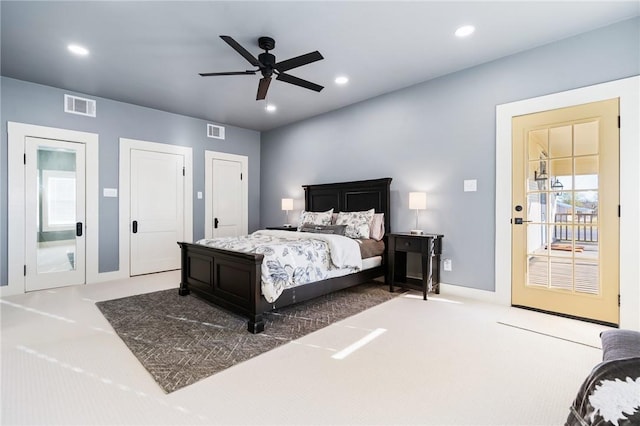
x: 232, y: 279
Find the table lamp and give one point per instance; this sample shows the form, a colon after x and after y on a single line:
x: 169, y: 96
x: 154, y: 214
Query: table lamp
x: 287, y: 205
x: 417, y: 201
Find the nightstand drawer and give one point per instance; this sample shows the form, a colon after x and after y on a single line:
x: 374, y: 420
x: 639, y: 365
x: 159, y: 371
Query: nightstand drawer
x: 409, y: 244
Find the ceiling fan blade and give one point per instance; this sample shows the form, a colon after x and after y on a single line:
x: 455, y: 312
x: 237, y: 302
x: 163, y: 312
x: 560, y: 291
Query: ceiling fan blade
x: 298, y: 61
x: 209, y: 74
x: 241, y: 50
x: 287, y: 78
x: 262, y: 88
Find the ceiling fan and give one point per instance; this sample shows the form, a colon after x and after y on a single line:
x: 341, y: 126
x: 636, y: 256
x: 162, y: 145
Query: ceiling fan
x: 268, y: 66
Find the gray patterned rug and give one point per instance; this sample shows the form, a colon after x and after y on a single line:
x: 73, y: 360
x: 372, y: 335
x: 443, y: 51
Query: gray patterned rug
x: 181, y: 340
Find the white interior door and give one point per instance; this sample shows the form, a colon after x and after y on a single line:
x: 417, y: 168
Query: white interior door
x: 55, y: 213
x: 156, y: 211
x: 225, y: 195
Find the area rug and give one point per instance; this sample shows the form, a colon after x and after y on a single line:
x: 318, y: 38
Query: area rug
x: 183, y: 339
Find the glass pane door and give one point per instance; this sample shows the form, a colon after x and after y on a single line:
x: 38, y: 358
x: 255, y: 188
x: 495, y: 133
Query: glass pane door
x: 55, y: 213
x: 565, y: 211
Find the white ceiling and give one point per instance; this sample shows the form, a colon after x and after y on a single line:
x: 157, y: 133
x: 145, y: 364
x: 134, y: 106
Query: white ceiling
x: 150, y: 53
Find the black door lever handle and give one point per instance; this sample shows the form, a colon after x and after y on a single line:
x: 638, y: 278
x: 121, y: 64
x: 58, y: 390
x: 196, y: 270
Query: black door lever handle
x: 134, y: 227
x: 519, y: 221
x: 79, y: 229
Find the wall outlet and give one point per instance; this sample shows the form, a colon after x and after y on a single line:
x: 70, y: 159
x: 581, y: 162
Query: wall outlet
x: 447, y: 265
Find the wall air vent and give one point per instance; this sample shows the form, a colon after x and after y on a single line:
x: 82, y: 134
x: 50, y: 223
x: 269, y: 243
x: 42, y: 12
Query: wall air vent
x: 214, y: 131
x: 80, y: 106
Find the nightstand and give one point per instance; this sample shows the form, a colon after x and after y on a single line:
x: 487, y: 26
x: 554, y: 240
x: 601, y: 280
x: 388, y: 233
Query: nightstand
x: 283, y: 228
x: 430, y: 248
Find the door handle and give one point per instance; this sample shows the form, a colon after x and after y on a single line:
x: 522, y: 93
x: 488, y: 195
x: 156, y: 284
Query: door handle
x: 79, y: 229
x: 215, y: 223
x: 519, y: 221
x: 134, y: 227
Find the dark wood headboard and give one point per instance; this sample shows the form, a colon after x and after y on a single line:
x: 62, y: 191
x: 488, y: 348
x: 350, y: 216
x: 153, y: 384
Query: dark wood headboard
x: 351, y: 197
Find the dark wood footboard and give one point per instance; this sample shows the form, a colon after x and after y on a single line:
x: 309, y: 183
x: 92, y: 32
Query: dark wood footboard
x: 232, y: 280
x: 229, y: 279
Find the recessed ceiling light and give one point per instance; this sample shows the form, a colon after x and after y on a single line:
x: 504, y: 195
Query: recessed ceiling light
x: 270, y: 108
x: 342, y: 79
x: 78, y: 50
x: 465, y: 30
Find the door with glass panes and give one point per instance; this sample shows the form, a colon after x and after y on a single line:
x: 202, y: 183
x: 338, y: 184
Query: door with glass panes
x: 565, y: 228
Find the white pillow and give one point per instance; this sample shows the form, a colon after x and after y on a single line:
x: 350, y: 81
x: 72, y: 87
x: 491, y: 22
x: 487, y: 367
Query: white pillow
x: 358, y: 223
x: 315, y: 218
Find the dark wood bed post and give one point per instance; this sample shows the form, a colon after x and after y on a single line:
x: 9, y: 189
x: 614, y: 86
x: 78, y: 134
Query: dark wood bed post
x: 184, y: 274
x: 255, y: 324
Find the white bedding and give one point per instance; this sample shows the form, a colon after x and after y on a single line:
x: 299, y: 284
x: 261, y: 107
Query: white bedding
x: 294, y: 258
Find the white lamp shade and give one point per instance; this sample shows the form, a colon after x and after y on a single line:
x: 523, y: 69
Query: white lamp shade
x: 417, y: 200
x: 287, y: 204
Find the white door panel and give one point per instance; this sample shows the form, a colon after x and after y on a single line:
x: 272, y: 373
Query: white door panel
x: 226, y: 198
x: 157, y: 211
x: 227, y: 204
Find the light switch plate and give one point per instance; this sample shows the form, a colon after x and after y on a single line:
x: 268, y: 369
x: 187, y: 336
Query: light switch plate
x: 109, y: 192
x: 470, y: 185
x: 199, y: 195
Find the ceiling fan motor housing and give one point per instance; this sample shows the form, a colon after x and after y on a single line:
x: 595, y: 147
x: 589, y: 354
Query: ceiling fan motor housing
x: 268, y: 60
x: 266, y: 43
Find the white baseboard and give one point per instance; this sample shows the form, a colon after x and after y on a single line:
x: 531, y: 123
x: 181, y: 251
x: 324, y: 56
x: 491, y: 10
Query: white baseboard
x: 469, y: 293
x: 110, y: 276
x: 8, y: 290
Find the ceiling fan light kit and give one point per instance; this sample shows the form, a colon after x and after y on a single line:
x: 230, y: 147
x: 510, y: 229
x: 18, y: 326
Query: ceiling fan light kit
x: 267, y: 65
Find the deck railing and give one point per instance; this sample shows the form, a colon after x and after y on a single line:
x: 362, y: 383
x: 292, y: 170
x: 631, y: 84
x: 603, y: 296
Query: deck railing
x: 585, y: 225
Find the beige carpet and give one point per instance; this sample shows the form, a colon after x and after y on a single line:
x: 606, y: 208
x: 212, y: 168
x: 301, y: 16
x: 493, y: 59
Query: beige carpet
x: 576, y: 331
x: 445, y: 361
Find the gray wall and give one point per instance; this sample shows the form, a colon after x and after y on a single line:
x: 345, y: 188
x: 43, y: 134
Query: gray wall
x: 432, y: 136
x: 42, y: 105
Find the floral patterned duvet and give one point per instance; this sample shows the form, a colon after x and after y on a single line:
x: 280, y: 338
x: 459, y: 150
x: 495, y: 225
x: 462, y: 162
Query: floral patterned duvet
x: 293, y: 258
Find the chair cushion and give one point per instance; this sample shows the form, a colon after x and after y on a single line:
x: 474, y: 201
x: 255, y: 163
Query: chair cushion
x: 620, y: 344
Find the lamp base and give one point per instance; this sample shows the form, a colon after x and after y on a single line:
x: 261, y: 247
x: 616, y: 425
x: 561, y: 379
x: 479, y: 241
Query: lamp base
x: 417, y: 231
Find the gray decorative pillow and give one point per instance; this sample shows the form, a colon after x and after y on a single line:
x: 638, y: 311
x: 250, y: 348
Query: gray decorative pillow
x: 358, y: 223
x: 324, y: 229
x: 315, y: 218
